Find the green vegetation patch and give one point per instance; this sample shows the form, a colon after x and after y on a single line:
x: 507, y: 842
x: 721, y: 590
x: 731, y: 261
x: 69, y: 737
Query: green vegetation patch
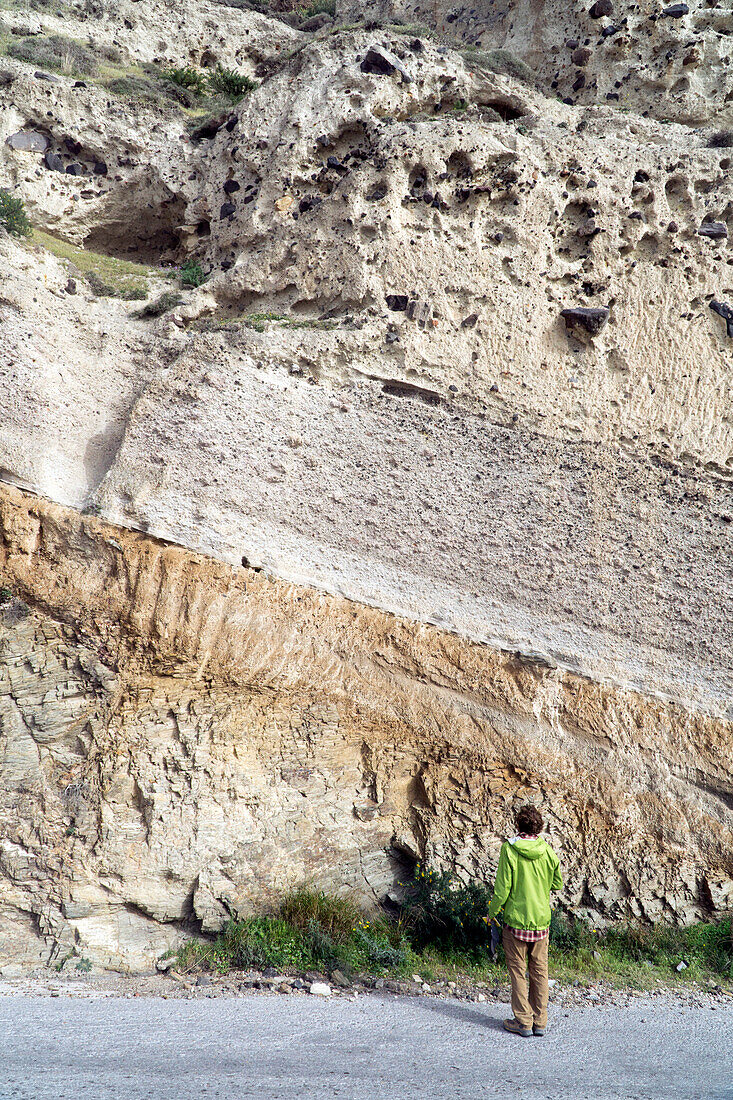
x: 311, y: 931
x: 442, y: 914
x: 13, y: 217
x: 61, y: 54
x: 441, y: 934
x: 108, y: 276
x: 192, y: 275
x: 187, y: 78
x: 230, y: 82
x: 160, y: 305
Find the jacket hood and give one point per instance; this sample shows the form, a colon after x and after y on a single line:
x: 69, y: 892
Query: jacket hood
x: 528, y: 849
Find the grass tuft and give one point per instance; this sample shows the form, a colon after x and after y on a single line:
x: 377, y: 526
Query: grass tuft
x: 187, y: 78
x: 192, y: 275
x: 333, y: 915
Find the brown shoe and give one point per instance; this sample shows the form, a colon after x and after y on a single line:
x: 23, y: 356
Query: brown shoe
x: 538, y: 1030
x: 516, y: 1028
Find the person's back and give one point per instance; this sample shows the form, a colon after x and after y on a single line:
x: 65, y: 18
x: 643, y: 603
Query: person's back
x: 528, y: 870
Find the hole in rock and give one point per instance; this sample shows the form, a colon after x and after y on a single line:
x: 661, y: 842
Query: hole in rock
x: 459, y: 164
x: 406, y: 389
x: 508, y: 110
x: 148, y: 233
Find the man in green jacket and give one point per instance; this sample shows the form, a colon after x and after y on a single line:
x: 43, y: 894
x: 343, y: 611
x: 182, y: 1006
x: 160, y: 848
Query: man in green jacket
x: 528, y: 870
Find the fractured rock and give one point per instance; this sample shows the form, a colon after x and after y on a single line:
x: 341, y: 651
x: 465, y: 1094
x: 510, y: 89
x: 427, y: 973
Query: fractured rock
x: 419, y: 311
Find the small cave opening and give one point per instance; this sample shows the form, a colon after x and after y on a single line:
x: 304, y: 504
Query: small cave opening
x: 147, y: 234
x: 509, y: 110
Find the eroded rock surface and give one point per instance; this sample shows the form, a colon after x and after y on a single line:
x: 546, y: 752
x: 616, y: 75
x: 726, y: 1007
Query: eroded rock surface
x: 443, y: 440
x: 182, y: 740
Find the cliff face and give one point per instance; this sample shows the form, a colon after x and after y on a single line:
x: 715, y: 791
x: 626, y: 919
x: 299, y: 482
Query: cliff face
x: 419, y: 506
x: 182, y: 740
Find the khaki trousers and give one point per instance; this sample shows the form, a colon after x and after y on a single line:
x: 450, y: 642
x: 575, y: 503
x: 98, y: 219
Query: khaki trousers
x: 532, y: 1009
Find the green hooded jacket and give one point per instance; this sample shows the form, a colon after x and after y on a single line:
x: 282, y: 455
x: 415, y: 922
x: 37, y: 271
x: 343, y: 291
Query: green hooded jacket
x: 527, y: 871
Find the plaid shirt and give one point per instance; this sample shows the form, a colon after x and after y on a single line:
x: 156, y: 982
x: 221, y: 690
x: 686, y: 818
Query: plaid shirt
x: 528, y: 935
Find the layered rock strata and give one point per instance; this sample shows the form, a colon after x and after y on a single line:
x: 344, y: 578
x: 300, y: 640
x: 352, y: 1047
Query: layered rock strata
x: 419, y: 506
x: 182, y: 740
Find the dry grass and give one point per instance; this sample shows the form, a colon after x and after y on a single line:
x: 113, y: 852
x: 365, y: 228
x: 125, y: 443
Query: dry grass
x: 107, y: 275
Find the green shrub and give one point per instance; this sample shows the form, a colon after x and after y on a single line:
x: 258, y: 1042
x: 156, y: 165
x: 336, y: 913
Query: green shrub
x: 312, y: 930
x: 136, y: 87
x: 130, y: 290
x: 230, y: 83
x: 712, y: 944
x: 566, y: 934
x: 6, y: 595
x: 374, y: 950
x: 189, y: 78
x: 705, y: 944
x: 442, y: 914
x: 13, y: 217
x: 192, y: 274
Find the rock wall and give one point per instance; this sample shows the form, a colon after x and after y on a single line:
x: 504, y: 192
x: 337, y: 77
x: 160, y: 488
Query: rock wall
x: 419, y: 506
x: 181, y: 740
x: 668, y: 61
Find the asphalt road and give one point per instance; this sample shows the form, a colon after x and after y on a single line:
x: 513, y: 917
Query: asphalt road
x: 387, y: 1048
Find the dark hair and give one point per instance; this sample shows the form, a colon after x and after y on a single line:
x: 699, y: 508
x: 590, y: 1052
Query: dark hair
x: 529, y: 820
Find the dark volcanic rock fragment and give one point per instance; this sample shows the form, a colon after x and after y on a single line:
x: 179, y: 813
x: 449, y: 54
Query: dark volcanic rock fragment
x: 716, y: 230
x: 726, y: 312
x: 383, y: 62
x: 28, y: 141
x: 585, y: 319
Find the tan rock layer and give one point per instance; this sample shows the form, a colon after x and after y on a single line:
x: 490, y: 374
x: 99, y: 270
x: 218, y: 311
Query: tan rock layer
x: 180, y: 740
